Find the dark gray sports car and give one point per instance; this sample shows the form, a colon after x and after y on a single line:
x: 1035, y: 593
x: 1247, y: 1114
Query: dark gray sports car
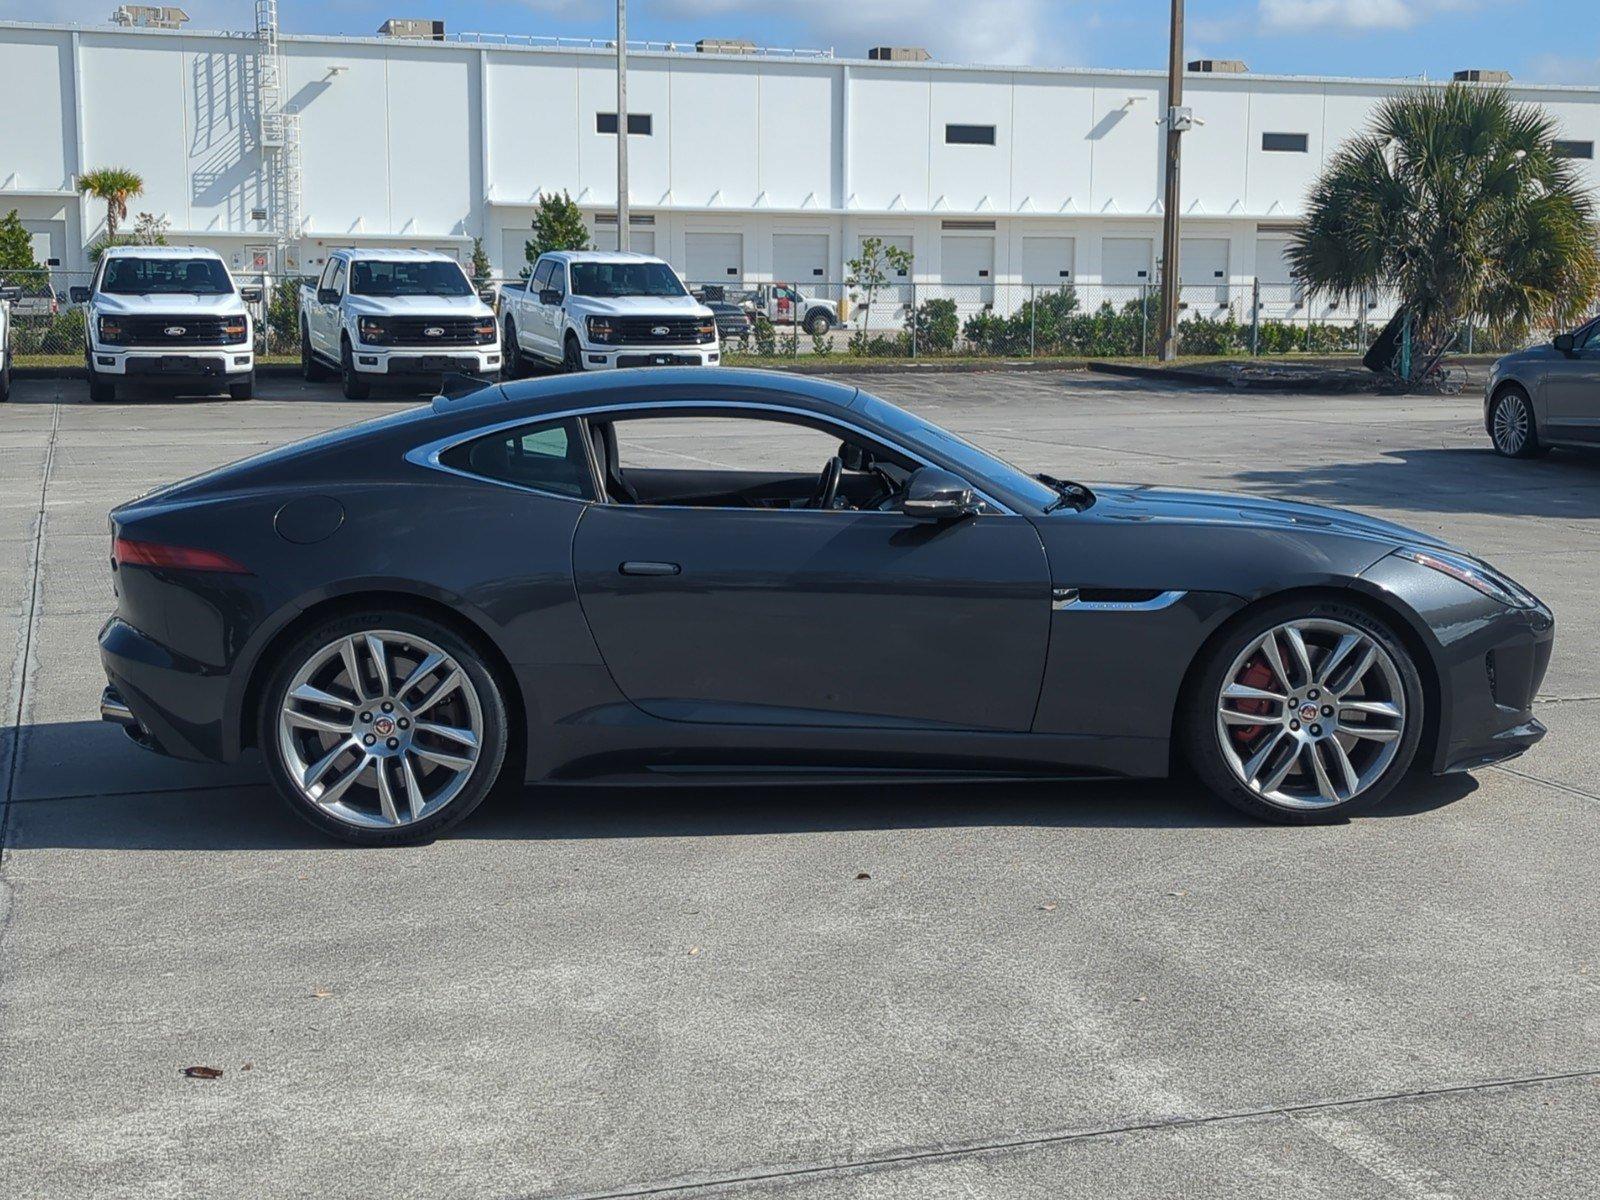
x: 740, y: 576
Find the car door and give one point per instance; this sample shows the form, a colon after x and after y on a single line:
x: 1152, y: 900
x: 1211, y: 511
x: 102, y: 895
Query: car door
x: 551, y: 316
x: 1572, y: 389
x: 325, y: 316
x: 525, y: 308
x: 751, y: 615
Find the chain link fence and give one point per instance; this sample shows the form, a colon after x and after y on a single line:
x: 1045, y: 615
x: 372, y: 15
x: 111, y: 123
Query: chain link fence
x: 900, y: 319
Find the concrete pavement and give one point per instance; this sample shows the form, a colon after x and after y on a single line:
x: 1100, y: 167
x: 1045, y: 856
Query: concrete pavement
x: 1106, y: 991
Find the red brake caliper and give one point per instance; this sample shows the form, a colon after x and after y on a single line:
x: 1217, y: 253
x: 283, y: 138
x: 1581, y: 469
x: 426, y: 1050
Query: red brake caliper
x: 1257, y: 675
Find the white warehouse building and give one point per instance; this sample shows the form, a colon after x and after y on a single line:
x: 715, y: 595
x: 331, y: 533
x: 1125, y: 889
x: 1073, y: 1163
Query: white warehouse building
x: 745, y: 167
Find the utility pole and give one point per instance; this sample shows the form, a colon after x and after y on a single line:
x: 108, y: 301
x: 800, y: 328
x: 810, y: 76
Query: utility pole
x: 1178, y: 119
x: 622, y: 124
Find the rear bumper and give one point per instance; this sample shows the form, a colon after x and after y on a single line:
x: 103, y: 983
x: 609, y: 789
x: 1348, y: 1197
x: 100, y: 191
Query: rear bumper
x: 165, y: 702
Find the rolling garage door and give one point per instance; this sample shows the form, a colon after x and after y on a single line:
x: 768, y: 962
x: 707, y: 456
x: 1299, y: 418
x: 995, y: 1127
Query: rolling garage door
x: 800, y: 258
x: 713, y: 258
x: 1047, y: 261
x: 1280, y: 295
x: 1203, y: 274
x: 967, y: 270
x: 641, y: 240
x: 1125, y: 264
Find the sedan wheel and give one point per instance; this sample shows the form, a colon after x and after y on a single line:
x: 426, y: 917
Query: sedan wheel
x: 1512, y: 427
x: 384, y: 729
x: 1309, y: 716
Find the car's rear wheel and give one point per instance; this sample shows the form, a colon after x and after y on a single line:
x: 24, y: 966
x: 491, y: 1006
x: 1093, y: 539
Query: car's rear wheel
x: 1307, y: 712
x: 5, y: 381
x: 1511, y: 425
x: 311, y: 367
x: 383, y: 727
x: 355, y: 388
x: 572, y: 355
x: 818, y: 324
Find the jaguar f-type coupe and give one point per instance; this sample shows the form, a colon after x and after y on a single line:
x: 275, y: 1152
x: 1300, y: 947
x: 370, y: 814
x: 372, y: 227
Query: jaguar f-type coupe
x: 683, y: 574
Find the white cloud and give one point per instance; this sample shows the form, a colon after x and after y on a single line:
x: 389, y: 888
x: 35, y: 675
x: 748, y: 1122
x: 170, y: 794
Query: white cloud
x: 1299, y: 16
x: 973, y: 31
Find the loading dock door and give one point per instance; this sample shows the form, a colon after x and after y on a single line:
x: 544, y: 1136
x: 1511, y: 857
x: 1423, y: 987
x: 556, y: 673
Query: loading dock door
x: 1125, y: 263
x: 1203, y: 274
x: 800, y: 259
x: 713, y: 258
x: 641, y: 239
x: 967, y: 270
x: 1047, y: 261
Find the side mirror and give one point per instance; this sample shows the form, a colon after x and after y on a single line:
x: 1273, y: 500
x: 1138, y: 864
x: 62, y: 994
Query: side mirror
x: 549, y: 296
x: 489, y: 294
x: 327, y: 295
x: 1564, y: 342
x: 854, y: 457
x: 251, y: 294
x: 78, y: 295
x: 933, y: 494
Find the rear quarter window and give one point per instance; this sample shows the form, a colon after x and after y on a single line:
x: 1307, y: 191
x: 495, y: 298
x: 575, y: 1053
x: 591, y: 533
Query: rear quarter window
x: 546, y: 458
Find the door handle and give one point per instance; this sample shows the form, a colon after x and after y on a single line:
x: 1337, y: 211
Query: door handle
x: 649, y: 568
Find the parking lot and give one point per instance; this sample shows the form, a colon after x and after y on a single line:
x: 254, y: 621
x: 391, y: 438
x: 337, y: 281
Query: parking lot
x: 1108, y: 990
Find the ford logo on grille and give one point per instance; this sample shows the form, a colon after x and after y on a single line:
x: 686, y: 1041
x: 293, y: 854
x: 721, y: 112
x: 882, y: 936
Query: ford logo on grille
x: 175, y: 330
x: 433, y: 331
x: 660, y: 331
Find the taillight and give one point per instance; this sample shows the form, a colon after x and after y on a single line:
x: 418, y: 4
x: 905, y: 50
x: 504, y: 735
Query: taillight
x: 127, y: 552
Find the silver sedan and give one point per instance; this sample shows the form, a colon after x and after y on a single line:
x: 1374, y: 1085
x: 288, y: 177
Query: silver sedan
x: 1546, y: 395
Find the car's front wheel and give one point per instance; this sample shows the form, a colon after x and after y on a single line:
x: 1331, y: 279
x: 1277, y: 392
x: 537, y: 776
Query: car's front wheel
x: 383, y: 727
x: 512, y: 351
x: 1511, y: 425
x: 354, y: 387
x: 572, y: 355
x: 1306, y: 712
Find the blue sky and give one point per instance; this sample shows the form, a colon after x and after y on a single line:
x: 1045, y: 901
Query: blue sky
x: 1547, y: 40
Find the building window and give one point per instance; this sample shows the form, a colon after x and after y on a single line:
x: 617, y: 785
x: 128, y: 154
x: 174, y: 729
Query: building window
x: 1285, y: 143
x: 1573, y: 149
x: 969, y: 135
x: 638, y: 124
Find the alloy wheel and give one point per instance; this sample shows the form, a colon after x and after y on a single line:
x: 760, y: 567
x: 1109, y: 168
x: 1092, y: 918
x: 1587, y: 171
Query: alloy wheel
x: 1510, y: 425
x: 1311, y: 713
x: 380, y: 729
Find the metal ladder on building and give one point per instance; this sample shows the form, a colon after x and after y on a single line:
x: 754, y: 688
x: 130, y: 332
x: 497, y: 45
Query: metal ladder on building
x: 279, y: 137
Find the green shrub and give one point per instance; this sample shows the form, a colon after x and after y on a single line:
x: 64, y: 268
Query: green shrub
x: 936, y: 326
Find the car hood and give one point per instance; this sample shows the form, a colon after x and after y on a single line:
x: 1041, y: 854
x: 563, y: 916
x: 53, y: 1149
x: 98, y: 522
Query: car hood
x: 643, y: 306
x: 186, y: 303
x: 1143, y: 504
x: 417, y: 306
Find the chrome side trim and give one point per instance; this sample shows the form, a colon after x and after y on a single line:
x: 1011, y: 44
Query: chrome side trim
x: 428, y: 454
x: 1066, y: 600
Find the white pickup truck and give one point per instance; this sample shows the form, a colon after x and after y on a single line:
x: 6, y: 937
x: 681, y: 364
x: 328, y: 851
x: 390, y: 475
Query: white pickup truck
x: 393, y: 315
x: 591, y: 309
x: 780, y: 302
x: 169, y: 314
x: 7, y: 295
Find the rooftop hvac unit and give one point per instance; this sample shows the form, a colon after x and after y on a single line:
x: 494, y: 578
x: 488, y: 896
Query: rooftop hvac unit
x: 1218, y: 66
x: 148, y: 16
x: 1478, y: 76
x: 724, y: 46
x: 413, y: 27
x: 898, y: 54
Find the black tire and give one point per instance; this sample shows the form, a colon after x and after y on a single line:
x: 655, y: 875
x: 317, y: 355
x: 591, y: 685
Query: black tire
x: 1201, y: 741
x: 355, y: 388
x: 1512, y: 428
x: 312, y: 368
x: 101, y: 389
x: 572, y: 355
x: 510, y: 352
x: 491, y: 753
x: 818, y: 324
x: 5, y: 381
x: 245, y: 389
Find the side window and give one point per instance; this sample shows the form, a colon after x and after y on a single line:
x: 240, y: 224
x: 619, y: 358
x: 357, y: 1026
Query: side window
x: 541, y: 273
x: 558, y: 277
x: 327, y: 274
x: 1590, y: 344
x: 336, y: 280
x: 548, y: 458
x: 693, y: 442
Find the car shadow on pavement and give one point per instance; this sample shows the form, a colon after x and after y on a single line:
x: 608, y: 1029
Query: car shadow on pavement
x: 188, y: 808
x: 1564, y: 486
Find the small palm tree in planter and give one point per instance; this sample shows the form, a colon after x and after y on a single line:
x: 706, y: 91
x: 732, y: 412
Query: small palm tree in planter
x: 1457, y: 200
x: 116, y: 186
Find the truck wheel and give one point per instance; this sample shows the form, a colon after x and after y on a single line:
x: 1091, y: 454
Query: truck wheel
x: 5, y: 382
x: 511, y: 355
x: 311, y: 368
x: 572, y: 355
x: 818, y: 324
x: 245, y: 389
x: 101, y: 389
x: 355, y: 388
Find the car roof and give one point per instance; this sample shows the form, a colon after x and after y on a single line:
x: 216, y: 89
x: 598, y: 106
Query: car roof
x: 531, y: 398
x: 389, y: 254
x: 160, y: 252
x: 623, y: 256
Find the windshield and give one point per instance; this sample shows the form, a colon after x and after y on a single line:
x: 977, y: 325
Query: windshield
x: 431, y: 278
x: 624, y: 279
x: 978, y: 465
x: 169, y: 276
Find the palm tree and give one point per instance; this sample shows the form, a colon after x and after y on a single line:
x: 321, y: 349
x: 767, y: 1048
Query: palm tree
x: 116, y: 186
x: 1456, y: 200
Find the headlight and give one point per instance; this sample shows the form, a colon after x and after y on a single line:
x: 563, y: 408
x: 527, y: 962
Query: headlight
x: 601, y: 329
x: 236, y: 329
x: 486, y: 330
x: 374, y: 331
x: 111, y: 331
x: 707, y: 329
x: 1476, y: 575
